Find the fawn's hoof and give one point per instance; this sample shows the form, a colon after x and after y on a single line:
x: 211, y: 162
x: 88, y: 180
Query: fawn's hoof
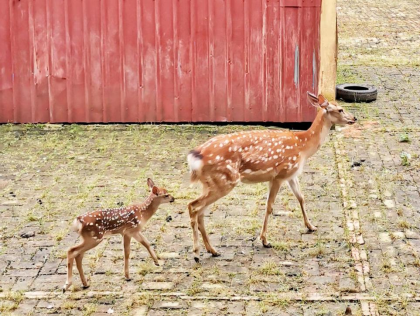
x: 85, y: 287
x: 128, y: 279
x: 66, y: 287
x: 197, y: 260
x: 267, y: 245
x: 215, y: 254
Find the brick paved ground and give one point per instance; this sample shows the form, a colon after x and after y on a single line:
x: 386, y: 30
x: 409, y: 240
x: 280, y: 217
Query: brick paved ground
x: 361, y: 194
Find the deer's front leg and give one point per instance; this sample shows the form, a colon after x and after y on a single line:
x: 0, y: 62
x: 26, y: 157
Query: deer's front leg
x: 126, y: 240
x: 295, y: 187
x: 274, y: 187
x: 143, y: 240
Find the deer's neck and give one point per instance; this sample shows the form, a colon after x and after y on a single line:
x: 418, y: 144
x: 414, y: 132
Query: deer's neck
x: 317, y: 134
x: 148, y: 208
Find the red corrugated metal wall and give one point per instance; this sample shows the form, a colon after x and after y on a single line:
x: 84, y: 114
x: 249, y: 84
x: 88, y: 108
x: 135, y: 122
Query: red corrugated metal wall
x: 158, y: 61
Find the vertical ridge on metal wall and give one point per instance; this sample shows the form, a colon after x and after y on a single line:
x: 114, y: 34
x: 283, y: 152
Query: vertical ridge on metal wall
x: 264, y: 62
x: 139, y: 46
x: 175, y: 59
x: 246, y: 60
x: 228, y: 61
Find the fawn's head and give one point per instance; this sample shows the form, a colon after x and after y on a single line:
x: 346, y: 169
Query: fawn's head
x: 161, y: 195
x: 335, y: 113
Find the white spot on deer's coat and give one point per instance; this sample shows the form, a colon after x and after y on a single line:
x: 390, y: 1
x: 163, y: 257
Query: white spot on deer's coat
x: 230, y: 168
x: 247, y: 171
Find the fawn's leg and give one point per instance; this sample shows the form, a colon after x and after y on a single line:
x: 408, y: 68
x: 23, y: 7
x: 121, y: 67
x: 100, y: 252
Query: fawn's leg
x: 74, y: 253
x: 70, y: 259
x: 79, y: 259
x: 274, y: 187
x: 126, y: 241
x: 211, y: 193
x: 294, y: 185
x: 89, y: 244
x: 143, y: 240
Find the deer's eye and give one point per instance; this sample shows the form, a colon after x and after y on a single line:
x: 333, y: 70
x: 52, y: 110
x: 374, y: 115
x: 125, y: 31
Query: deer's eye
x: 166, y: 195
x: 341, y: 111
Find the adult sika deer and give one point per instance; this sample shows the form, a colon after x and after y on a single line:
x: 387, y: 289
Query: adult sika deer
x: 129, y: 221
x: 257, y: 156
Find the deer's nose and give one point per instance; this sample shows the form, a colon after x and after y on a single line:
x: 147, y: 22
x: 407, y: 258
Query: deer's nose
x: 355, y: 119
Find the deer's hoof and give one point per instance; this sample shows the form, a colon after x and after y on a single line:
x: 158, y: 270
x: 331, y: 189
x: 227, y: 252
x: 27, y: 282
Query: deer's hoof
x: 157, y: 264
x: 128, y: 279
x: 197, y: 260
x: 215, y: 254
x: 85, y: 287
x: 312, y: 228
x: 267, y: 245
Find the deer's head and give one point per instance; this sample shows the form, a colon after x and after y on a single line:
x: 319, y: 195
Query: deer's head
x: 160, y: 194
x: 335, y: 113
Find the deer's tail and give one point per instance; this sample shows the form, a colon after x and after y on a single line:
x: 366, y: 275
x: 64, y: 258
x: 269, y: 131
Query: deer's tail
x: 195, y: 162
x: 76, y: 225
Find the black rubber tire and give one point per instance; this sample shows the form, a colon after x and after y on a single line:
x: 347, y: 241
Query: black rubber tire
x: 356, y: 92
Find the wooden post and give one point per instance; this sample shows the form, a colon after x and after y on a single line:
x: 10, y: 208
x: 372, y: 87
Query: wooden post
x: 328, y: 55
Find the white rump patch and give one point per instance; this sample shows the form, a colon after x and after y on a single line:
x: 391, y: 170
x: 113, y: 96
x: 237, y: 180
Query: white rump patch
x: 194, y: 163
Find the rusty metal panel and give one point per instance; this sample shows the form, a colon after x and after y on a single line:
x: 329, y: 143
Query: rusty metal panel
x: 158, y: 61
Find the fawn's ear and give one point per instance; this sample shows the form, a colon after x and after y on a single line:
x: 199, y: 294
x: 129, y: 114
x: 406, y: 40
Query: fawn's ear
x: 155, y: 190
x: 150, y: 183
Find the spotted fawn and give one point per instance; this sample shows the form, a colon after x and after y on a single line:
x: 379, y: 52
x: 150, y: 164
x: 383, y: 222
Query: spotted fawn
x: 94, y: 226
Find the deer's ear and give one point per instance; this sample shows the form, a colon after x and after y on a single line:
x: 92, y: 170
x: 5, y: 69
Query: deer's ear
x: 319, y: 101
x: 313, y: 99
x: 150, y: 183
x: 155, y: 190
x: 323, y: 103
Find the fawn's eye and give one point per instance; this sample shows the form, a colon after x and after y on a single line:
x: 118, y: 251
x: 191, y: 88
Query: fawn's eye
x: 341, y: 111
x: 166, y: 195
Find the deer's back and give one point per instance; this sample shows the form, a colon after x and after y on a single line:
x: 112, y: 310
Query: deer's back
x: 257, y: 156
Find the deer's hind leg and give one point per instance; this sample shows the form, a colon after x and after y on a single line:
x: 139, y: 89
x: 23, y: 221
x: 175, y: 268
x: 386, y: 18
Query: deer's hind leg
x: 202, y: 229
x: 215, y: 187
